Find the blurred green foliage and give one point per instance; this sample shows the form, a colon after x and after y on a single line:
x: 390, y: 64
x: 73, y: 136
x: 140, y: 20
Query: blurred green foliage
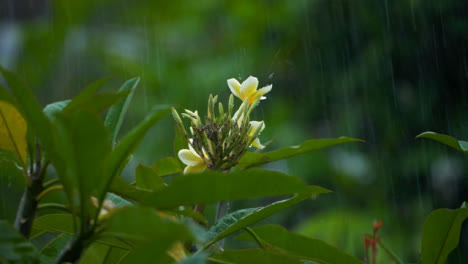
x: 383, y: 71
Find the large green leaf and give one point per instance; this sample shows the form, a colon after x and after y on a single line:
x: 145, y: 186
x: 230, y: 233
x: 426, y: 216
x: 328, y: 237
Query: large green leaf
x: 146, y: 178
x: 97, y: 103
x: 87, y: 92
x: 459, y: 145
x: 11, y: 188
x: 14, y: 247
x: 116, y: 113
x: 141, y: 225
x: 130, y: 142
x: 84, y: 145
x: 95, y: 253
x: 167, y: 166
x: 124, y: 189
x: 51, y: 110
x: 441, y: 232
x: 13, y: 130
x: 243, y: 218
x: 253, y: 255
x: 301, y: 246
x: 63, y: 223
x: 6, y: 96
x: 114, y: 255
x: 32, y: 111
x: 52, y: 250
x: 192, y: 189
x: 251, y: 159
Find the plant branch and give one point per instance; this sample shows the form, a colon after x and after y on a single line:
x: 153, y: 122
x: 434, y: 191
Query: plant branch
x: 28, y: 204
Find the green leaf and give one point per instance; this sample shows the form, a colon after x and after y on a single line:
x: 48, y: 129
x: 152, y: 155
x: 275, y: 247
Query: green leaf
x: 124, y: 189
x: 147, y: 179
x: 446, y: 140
x: 117, y: 200
x: 32, y: 111
x: 251, y: 159
x: 87, y: 92
x: 130, y: 142
x: 167, y: 166
x: 441, y: 232
x: 6, y: 96
x: 97, y: 103
x: 52, y: 250
x: 84, y: 145
x: 95, y: 253
x: 387, y: 250
x: 114, y: 255
x: 141, y: 225
x: 195, y: 259
x: 192, y: 189
x: 227, y: 221
x: 13, y: 130
x: 11, y: 188
x: 247, y: 217
x: 253, y: 255
x: 301, y: 246
x: 51, y: 110
x: 13, y: 246
x: 63, y: 223
x: 116, y: 113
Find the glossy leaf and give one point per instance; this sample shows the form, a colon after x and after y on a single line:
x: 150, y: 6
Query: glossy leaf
x: 97, y: 103
x: 13, y: 246
x: 459, y: 145
x: 141, y: 225
x: 124, y: 189
x: 6, y: 96
x: 63, y: 223
x: 87, y: 92
x: 146, y: 178
x: 167, y: 166
x: 52, y: 250
x: 253, y: 255
x: 130, y: 142
x: 116, y: 113
x: 80, y: 170
x: 251, y: 216
x: 195, y: 259
x: 51, y: 110
x: 31, y: 110
x: 301, y: 246
x: 114, y: 255
x: 251, y: 159
x: 390, y: 253
x: 192, y: 189
x: 441, y: 232
x: 95, y: 253
x: 13, y: 130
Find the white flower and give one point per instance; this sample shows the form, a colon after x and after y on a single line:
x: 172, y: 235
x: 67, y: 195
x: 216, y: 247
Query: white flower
x: 194, y: 162
x: 248, y: 89
x: 254, y: 126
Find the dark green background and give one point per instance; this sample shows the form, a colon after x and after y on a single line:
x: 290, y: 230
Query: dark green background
x: 379, y: 70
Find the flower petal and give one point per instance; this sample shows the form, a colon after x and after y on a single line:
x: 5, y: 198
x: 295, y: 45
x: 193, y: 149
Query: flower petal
x: 189, y: 158
x: 260, y: 93
x: 235, y: 87
x: 256, y: 143
x: 255, y: 125
x: 248, y: 87
x: 195, y: 169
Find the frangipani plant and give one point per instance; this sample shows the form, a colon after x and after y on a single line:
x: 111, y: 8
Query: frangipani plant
x: 102, y: 218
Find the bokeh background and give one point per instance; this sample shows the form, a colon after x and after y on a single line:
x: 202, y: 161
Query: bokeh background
x: 379, y: 70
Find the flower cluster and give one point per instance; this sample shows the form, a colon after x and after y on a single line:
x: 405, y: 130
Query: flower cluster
x: 223, y: 138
